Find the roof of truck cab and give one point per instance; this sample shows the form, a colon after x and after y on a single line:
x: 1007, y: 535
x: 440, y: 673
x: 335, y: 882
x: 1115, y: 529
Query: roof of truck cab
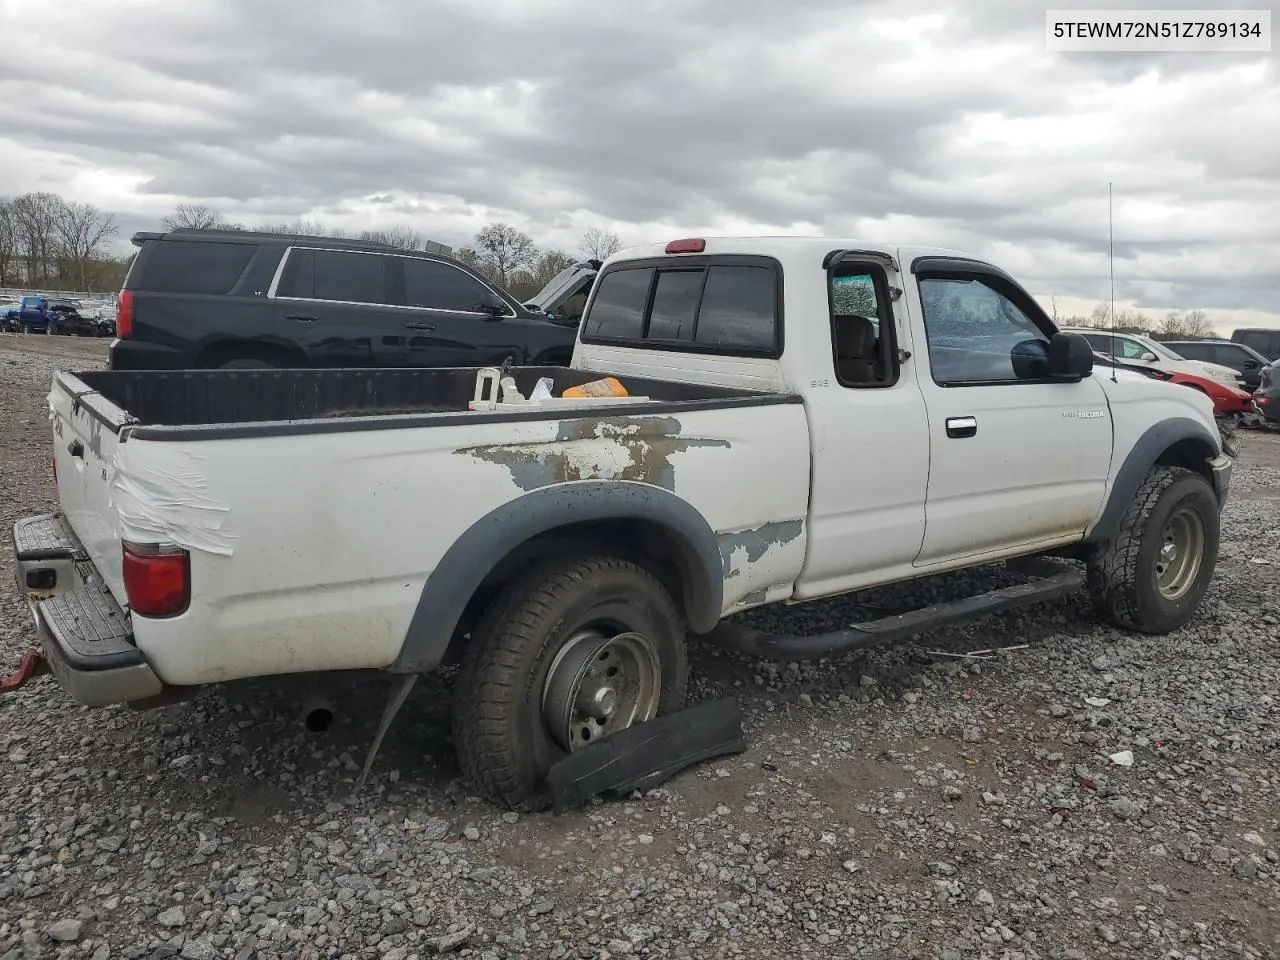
x: 787, y: 246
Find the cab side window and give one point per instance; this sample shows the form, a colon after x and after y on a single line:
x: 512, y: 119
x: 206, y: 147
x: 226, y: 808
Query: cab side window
x: 862, y: 334
x: 978, y: 335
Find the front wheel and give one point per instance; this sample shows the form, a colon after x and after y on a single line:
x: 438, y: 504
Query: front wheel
x: 564, y: 658
x: 1153, y: 575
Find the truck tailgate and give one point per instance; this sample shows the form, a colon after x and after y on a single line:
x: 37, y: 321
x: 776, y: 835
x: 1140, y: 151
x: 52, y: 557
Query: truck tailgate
x: 84, y: 448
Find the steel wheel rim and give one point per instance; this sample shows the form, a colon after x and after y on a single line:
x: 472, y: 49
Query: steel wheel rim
x: 599, y: 683
x: 1181, y: 550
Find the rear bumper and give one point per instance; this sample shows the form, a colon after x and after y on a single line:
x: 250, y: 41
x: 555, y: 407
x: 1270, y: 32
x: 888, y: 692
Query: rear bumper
x: 138, y: 355
x: 84, y: 635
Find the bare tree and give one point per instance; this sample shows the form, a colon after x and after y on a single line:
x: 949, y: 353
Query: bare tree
x: 34, y: 217
x: 1197, y: 324
x: 401, y: 235
x: 195, y: 215
x: 523, y: 284
x: 8, y: 245
x: 82, y: 231
x: 299, y: 228
x: 599, y: 243
x: 504, y: 249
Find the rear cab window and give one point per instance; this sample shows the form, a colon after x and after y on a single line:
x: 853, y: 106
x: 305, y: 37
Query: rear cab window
x: 722, y: 304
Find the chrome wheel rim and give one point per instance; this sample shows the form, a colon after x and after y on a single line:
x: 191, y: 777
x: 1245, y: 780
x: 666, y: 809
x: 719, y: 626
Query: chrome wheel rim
x: 1181, y: 550
x: 599, y: 684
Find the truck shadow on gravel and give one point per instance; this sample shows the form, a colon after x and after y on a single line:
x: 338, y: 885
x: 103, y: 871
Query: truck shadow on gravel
x: 253, y: 759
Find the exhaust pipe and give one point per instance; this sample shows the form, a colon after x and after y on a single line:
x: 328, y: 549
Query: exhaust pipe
x: 317, y: 714
x: 317, y: 711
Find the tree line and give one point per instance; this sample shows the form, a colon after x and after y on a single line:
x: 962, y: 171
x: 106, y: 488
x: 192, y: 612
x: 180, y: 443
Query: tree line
x: 49, y: 242
x: 1174, y: 325
x: 502, y: 253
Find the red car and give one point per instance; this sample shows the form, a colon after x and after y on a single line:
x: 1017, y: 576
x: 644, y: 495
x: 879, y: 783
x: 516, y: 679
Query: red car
x: 1227, y: 401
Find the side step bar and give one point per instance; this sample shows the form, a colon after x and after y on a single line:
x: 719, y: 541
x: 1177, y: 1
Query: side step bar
x: 873, y: 633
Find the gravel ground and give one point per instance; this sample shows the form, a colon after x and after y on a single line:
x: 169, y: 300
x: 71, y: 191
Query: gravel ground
x: 900, y: 804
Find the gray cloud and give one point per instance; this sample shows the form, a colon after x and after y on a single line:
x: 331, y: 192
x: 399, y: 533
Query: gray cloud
x: 943, y: 122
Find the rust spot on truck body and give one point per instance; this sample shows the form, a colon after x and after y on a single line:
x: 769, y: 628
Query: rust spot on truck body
x: 605, y: 448
x: 754, y: 543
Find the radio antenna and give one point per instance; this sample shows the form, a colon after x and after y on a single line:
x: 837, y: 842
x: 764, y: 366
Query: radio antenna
x: 1111, y: 256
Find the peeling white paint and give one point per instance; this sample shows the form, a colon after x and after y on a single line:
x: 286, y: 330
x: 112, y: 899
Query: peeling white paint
x: 165, y: 503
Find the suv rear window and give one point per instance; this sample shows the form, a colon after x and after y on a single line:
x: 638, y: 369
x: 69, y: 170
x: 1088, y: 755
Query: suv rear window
x: 716, y: 307
x: 193, y: 266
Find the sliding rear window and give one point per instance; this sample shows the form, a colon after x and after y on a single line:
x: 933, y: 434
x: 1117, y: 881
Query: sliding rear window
x: 726, y: 305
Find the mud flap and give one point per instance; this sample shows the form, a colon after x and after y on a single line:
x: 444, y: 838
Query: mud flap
x: 646, y: 755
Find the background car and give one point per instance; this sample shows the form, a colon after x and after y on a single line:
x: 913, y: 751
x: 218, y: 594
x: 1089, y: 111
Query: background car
x: 1245, y: 360
x: 1267, y: 396
x: 1227, y: 401
x: 1266, y: 340
x: 1134, y: 348
x: 203, y: 299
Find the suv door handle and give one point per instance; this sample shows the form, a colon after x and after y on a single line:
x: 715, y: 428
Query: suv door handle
x: 421, y: 326
x: 301, y: 318
x: 959, y: 427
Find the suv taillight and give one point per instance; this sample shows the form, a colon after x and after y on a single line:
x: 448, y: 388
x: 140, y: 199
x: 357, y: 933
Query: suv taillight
x: 157, y: 579
x: 124, y: 314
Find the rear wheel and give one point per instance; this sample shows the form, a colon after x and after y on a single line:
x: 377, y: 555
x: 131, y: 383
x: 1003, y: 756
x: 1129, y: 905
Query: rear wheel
x: 563, y: 658
x: 1153, y: 575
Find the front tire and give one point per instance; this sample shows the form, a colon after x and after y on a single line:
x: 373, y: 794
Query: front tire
x: 1152, y: 577
x: 562, y: 658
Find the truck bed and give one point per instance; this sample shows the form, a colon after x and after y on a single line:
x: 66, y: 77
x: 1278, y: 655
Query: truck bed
x: 229, y: 403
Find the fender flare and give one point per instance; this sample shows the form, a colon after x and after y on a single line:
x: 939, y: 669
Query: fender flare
x: 471, y: 557
x: 1142, y: 456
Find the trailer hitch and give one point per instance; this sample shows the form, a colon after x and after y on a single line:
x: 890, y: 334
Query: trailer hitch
x: 33, y: 665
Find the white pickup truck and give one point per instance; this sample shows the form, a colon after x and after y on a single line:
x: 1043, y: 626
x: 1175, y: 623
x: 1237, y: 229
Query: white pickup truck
x: 821, y: 416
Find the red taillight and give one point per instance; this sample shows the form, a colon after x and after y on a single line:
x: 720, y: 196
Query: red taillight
x: 686, y: 246
x: 157, y: 579
x: 124, y: 314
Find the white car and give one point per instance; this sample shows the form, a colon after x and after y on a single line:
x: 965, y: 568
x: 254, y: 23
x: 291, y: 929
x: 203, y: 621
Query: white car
x: 1135, y: 348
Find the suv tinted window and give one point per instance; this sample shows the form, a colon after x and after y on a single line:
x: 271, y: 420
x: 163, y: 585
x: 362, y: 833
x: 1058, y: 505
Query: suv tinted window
x: 1194, y: 351
x: 1260, y: 340
x: 727, y: 307
x: 192, y: 266
x: 618, y: 310
x: 349, y: 277
x: 439, y: 286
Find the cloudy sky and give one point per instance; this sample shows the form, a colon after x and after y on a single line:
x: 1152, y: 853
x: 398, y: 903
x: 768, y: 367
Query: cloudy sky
x: 940, y: 121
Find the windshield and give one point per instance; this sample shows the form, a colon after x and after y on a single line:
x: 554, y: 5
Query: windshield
x: 1161, y: 351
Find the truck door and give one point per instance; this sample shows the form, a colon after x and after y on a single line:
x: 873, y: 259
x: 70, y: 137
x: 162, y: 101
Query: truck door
x: 869, y: 433
x: 1016, y: 461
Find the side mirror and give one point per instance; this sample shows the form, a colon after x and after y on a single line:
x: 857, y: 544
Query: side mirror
x: 1070, y: 357
x: 492, y: 307
x: 1149, y: 357
x: 1030, y: 359
x: 1251, y: 364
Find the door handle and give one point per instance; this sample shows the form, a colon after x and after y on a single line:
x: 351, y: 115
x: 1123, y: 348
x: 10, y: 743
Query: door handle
x: 958, y: 427
x: 301, y: 318
x: 421, y: 326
